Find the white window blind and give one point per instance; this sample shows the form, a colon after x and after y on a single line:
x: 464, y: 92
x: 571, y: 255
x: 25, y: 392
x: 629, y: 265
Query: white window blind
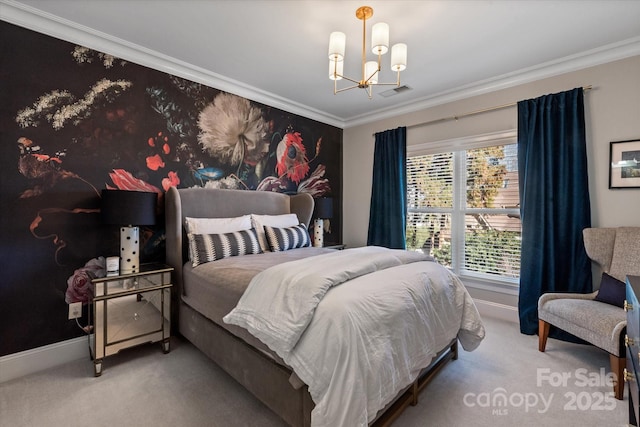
x: 463, y: 208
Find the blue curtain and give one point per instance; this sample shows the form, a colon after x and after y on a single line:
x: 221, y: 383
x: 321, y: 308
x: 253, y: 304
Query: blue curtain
x: 387, y: 215
x: 554, y: 201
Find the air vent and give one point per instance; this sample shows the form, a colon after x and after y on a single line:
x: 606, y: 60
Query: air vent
x: 395, y: 91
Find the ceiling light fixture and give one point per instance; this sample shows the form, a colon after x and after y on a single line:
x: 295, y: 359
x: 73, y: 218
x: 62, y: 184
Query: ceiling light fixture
x: 370, y: 69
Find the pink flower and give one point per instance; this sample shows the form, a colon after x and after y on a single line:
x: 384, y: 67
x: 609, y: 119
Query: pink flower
x: 155, y: 162
x: 166, y: 149
x: 172, y: 181
x: 292, y: 157
x: 79, y: 286
x: 123, y: 180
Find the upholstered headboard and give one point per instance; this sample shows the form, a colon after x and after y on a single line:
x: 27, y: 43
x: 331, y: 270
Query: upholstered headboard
x: 216, y: 203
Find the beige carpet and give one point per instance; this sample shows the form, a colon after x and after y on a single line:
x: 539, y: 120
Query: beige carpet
x: 559, y: 388
x: 505, y: 382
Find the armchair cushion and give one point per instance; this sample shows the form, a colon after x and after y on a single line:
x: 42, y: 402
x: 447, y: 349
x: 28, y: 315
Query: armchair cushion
x: 595, y: 322
x: 612, y: 291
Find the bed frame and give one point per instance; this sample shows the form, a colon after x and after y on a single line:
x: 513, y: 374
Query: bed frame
x: 258, y: 373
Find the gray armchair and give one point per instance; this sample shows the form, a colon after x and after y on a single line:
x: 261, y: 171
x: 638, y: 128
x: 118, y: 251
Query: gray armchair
x: 617, y: 252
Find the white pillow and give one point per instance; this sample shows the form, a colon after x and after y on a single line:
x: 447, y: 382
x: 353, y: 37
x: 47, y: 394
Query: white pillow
x: 217, y: 225
x: 279, y: 221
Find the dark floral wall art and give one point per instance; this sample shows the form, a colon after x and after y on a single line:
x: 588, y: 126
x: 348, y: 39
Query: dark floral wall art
x: 75, y: 121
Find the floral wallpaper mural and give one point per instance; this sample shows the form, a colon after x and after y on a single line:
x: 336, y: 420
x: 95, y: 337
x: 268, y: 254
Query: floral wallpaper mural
x: 75, y: 121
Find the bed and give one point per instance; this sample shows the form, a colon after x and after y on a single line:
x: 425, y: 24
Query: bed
x: 218, y: 306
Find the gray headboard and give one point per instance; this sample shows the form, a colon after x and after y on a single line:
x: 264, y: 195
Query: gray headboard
x: 216, y: 203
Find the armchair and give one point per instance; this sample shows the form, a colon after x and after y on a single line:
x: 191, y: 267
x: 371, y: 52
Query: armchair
x: 617, y: 252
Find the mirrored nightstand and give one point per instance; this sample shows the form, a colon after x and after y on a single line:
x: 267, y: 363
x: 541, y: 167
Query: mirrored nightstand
x: 128, y: 310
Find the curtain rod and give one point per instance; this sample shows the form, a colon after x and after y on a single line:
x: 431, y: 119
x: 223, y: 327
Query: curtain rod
x: 473, y: 113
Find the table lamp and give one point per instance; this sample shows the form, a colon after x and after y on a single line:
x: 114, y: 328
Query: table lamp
x: 128, y: 209
x: 323, y: 210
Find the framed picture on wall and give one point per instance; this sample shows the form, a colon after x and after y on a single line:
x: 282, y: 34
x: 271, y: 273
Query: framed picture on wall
x: 624, y: 164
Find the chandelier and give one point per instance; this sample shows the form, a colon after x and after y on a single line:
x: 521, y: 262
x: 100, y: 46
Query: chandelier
x: 370, y: 69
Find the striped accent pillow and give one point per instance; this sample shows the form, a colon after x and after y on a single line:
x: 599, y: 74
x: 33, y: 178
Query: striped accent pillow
x: 283, y: 239
x: 210, y: 247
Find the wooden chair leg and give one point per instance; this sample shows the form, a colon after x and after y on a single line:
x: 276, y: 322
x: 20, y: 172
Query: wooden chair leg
x: 617, y: 367
x: 543, y: 333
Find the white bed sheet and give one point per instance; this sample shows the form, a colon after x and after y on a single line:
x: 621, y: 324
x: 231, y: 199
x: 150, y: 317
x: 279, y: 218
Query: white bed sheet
x: 366, y: 339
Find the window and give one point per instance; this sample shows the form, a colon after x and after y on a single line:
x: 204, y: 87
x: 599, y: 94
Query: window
x: 464, y: 205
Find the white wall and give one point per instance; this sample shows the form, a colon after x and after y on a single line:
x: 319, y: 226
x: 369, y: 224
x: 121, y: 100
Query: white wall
x: 612, y: 113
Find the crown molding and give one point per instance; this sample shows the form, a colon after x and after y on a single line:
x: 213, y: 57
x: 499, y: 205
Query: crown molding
x: 51, y: 25
x: 34, y: 19
x: 602, y: 55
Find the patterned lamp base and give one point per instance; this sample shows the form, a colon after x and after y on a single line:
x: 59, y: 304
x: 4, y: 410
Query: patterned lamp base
x: 129, y: 244
x: 318, y: 233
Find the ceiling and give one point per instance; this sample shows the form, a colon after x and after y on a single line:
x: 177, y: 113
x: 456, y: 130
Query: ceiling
x: 275, y: 51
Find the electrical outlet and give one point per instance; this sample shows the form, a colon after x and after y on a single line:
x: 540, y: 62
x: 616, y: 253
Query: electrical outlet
x: 75, y: 310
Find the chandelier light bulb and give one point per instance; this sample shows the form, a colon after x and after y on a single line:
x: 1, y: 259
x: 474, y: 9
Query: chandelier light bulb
x: 337, y: 42
x: 371, y: 72
x: 399, y: 57
x: 380, y: 38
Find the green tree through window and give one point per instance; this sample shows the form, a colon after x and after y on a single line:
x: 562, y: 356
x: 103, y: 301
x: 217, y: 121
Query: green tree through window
x: 463, y: 209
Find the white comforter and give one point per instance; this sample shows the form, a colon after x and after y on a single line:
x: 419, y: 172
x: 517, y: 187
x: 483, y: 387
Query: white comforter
x: 358, y: 344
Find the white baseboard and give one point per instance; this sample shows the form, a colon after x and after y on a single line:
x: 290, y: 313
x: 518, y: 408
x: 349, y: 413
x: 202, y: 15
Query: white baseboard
x: 497, y: 311
x: 31, y: 361
x: 28, y: 362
